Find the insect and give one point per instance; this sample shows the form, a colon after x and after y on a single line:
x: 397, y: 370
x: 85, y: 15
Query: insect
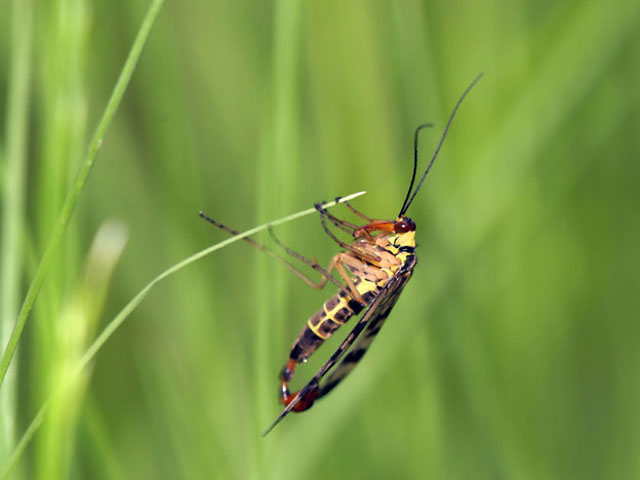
x: 375, y: 268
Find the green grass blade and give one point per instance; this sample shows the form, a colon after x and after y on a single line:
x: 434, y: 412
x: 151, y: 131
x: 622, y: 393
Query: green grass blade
x: 13, y: 198
x: 277, y: 175
x: 119, y: 319
x: 78, y: 185
x: 131, y: 306
x: 517, y: 156
x: 25, y: 440
x: 75, y: 325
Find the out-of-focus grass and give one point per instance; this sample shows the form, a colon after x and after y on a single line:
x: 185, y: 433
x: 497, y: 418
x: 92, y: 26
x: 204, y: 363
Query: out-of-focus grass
x: 513, y: 351
x: 13, y: 159
x: 62, y: 122
x: 78, y: 322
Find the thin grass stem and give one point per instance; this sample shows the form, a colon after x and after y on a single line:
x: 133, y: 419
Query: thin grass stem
x: 119, y: 319
x: 78, y: 185
x: 13, y: 198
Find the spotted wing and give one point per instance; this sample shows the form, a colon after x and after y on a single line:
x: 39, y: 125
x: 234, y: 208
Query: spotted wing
x: 376, y: 313
x: 377, y: 316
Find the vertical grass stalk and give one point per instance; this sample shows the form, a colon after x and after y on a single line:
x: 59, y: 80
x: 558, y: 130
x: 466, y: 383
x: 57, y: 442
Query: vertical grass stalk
x: 276, y: 180
x: 78, y: 185
x: 118, y: 320
x: 13, y: 200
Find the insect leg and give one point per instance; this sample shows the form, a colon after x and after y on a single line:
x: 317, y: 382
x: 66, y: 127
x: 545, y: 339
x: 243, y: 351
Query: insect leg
x: 336, y: 262
x: 338, y: 222
x: 353, y: 209
x: 342, y: 226
x: 326, y: 275
x: 355, y: 250
x: 354, y: 230
x: 365, y: 230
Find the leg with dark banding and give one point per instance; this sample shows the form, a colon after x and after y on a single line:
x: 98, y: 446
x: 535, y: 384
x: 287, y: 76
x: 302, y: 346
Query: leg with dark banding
x: 355, y: 250
x: 325, y: 274
x: 353, y: 209
x: 337, y: 262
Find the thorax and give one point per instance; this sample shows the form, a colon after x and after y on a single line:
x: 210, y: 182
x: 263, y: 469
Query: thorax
x: 391, y: 252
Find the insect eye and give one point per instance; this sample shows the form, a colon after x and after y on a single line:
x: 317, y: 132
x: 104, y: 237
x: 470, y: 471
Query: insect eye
x: 405, y: 225
x: 402, y: 227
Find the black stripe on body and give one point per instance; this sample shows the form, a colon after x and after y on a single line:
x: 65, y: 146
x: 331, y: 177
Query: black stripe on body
x: 332, y: 303
x: 326, y: 321
x: 352, y: 304
x: 342, y: 315
x: 368, y: 297
x: 377, y: 317
x: 377, y: 311
x: 307, y: 343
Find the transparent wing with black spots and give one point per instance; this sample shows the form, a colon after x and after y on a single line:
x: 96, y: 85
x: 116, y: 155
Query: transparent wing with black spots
x: 374, y: 316
x: 374, y: 324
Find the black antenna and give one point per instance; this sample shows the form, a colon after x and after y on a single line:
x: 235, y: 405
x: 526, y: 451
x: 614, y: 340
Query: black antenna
x: 415, y: 163
x: 405, y: 206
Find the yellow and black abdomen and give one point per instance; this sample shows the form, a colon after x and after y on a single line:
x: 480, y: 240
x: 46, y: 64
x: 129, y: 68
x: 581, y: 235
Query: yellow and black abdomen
x: 335, y: 312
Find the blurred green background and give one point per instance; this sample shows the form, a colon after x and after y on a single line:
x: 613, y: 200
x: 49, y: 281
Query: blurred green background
x: 514, y: 351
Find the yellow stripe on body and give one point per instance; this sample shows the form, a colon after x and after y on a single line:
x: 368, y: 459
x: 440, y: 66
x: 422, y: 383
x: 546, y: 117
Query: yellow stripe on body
x: 363, y: 286
x: 330, y: 314
x: 314, y: 329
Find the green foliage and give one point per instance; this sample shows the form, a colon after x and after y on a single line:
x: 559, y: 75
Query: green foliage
x: 513, y: 350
